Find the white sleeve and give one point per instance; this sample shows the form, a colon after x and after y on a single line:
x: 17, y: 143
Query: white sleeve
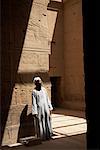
x: 49, y: 103
x: 34, y: 105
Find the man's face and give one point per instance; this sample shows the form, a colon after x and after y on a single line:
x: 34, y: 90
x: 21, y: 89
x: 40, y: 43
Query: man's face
x: 37, y: 83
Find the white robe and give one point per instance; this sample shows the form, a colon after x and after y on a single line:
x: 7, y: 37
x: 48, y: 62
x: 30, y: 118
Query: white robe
x: 41, y: 105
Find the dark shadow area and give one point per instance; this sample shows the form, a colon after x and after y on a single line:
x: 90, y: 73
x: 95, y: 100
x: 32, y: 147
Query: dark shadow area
x: 14, y: 21
x: 70, y: 143
x: 67, y: 112
x: 28, y: 77
x: 26, y: 125
x: 91, y: 42
x: 55, y: 91
x: 11, y: 148
x: 55, y: 5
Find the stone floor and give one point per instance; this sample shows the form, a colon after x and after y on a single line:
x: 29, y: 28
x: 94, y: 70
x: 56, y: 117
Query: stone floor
x: 69, y: 128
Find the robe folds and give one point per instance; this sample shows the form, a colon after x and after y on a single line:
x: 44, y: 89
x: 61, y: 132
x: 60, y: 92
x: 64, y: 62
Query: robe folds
x: 41, y: 107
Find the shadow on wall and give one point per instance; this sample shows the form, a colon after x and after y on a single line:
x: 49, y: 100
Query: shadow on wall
x: 14, y: 20
x: 26, y: 125
x: 28, y: 77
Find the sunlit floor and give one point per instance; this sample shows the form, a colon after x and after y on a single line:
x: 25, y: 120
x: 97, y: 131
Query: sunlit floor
x: 67, y: 124
x: 69, y: 128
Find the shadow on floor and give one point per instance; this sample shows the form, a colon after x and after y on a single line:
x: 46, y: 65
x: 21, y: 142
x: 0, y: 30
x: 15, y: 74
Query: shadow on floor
x: 68, y: 112
x: 76, y: 142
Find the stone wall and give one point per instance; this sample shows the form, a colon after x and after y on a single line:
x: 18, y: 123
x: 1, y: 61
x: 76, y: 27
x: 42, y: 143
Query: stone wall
x: 25, y: 53
x: 73, y: 55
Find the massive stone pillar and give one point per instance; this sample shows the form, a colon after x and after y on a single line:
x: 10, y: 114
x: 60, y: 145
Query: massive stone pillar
x: 25, y: 53
x: 73, y: 55
x: 92, y: 71
x: 56, y: 72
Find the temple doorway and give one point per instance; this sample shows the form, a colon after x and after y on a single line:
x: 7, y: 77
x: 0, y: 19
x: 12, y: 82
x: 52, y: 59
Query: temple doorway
x: 55, y: 91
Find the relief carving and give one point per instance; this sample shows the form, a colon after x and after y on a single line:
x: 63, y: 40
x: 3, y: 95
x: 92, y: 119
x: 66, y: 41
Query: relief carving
x: 33, y: 61
x: 28, y: 58
x: 43, y: 60
x: 37, y: 30
x: 15, y: 96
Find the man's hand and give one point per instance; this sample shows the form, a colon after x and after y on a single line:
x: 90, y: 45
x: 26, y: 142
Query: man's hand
x: 50, y: 112
x: 35, y: 115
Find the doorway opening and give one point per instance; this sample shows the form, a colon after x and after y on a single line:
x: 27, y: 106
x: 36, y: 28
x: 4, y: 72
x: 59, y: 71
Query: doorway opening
x: 55, y: 91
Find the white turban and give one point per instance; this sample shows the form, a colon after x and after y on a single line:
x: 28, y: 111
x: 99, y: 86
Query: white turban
x: 37, y: 79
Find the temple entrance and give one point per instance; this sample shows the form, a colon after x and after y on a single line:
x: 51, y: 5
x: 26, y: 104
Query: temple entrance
x: 55, y: 91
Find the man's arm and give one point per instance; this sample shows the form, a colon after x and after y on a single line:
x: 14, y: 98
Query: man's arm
x: 34, y: 104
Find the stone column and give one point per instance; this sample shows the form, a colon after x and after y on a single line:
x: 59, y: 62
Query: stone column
x: 73, y: 55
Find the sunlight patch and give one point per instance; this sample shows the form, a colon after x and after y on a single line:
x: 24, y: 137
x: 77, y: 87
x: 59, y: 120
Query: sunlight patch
x: 68, y: 125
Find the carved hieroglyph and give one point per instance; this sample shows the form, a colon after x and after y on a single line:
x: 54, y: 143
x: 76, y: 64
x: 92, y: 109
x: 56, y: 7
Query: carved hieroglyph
x: 31, y: 62
x: 36, y: 48
x: 37, y: 30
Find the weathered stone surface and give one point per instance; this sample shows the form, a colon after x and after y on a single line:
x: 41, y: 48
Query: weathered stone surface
x: 10, y: 135
x: 55, y: 27
x: 16, y: 95
x: 25, y: 51
x: 31, y: 62
x: 14, y: 115
x: 37, y: 30
x: 73, y: 55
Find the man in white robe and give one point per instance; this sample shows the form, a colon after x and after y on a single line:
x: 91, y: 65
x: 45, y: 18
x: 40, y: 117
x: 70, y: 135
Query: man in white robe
x: 41, y: 109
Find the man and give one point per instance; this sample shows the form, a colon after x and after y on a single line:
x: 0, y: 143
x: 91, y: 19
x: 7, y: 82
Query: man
x: 41, y: 109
